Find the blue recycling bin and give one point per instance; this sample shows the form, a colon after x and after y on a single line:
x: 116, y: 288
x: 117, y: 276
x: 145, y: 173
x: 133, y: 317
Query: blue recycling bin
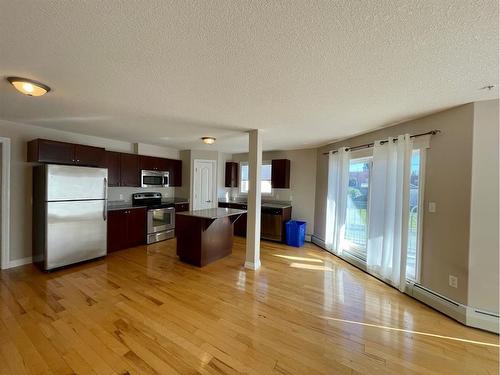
x: 295, y: 233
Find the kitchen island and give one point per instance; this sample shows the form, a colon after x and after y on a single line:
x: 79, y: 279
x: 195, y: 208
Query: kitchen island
x: 203, y: 236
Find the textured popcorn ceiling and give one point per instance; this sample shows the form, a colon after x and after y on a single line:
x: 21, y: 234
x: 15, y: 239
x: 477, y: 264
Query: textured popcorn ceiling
x: 306, y: 72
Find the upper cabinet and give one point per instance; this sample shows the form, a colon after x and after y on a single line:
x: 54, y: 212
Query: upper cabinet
x: 47, y: 151
x: 152, y: 163
x: 231, y: 179
x: 112, y: 162
x: 123, y: 169
x: 175, y: 169
x: 280, y: 174
x: 89, y: 155
x: 129, y: 170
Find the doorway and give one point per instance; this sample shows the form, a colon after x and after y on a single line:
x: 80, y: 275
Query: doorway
x: 204, y: 184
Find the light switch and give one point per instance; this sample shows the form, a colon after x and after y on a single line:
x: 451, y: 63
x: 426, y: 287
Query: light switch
x: 432, y: 206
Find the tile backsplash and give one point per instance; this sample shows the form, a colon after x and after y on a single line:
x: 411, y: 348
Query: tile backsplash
x: 125, y: 193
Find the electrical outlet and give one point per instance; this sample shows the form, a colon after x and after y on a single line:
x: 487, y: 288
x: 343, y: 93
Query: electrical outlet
x: 453, y: 281
x: 432, y: 206
x: 121, y: 197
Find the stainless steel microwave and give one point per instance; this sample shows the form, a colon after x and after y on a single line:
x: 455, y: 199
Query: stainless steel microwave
x: 155, y: 178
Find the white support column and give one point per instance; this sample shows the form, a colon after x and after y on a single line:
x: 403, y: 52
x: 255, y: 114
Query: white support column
x: 252, y: 259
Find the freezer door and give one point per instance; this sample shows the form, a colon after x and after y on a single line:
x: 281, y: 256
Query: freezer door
x: 76, y: 231
x: 65, y: 182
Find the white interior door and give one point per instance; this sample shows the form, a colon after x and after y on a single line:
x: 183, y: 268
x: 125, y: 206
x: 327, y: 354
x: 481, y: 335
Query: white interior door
x: 204, y: 189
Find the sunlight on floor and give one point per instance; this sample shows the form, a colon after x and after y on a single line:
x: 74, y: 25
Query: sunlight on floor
x: 412, y: 332
x: 311, y: 267
x: 314, y: 260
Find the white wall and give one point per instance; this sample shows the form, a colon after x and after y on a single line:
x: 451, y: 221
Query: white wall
x: 21, y: 177
x: 484, y: 224
x: 302, y: 182
x: 158, y: 151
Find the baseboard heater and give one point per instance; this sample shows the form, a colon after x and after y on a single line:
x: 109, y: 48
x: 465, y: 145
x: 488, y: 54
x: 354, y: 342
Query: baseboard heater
x: 464, y: 314
x: 441, y: 303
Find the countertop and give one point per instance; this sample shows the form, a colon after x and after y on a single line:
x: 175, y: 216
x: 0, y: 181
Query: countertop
x: 213, y: 213
x: 270, y: 204
x: 114, y: 206
x: 174, y: 200
x: 122, y: 205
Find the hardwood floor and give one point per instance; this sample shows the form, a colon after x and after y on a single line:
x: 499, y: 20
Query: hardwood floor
x: 304, y: 312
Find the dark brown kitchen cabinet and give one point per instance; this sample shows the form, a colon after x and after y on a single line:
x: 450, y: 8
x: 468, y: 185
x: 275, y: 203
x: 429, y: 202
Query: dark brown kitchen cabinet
x: 175, y: 169
x: 117, y: 230
x: 152, y: 163
x: 89, y: 156
x: 112, y: 162
x: 240, y: 225
x: 126, y: 228
x: 180, y: 207
x: 280, y: 174
x: 129, y: 170
x: 123, y: 169
x: 136, y: 227
x: 47, y: 151
x: 231, y: 179
x: 272, y: 221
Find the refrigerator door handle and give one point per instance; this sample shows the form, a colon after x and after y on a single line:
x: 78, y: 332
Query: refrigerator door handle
x: 105, y: 208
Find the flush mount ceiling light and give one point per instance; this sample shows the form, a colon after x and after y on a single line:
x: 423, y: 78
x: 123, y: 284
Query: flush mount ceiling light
x: 28, y: 86
x: 208, y: 140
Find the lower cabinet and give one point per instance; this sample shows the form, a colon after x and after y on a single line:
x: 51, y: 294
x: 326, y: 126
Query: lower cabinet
x: 272, y: 221
x: 126, y: 228
x: 180, y: 207
x: 240, y: 226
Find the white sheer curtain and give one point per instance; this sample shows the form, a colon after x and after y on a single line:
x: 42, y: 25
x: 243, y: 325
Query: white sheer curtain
x: 338, y: 176
x: 388, y: 210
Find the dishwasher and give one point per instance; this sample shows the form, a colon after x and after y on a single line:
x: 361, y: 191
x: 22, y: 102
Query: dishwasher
x: 271, y: 224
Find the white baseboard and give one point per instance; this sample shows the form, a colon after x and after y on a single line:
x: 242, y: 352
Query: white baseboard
x: 18, y: 262
x: 483, y: 319
x: 318, y: 241
x: 252, y: 265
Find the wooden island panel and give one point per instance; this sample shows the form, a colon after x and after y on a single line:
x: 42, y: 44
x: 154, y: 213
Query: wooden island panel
x: 205, y: 236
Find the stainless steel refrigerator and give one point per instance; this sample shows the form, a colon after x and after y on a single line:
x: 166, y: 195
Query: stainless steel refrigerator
x: 69, y: 214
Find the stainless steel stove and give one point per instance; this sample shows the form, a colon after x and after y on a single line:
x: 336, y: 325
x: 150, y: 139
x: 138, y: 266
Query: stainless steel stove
x: 160, y: 216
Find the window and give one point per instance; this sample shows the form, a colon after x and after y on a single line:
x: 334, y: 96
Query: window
x: 356, y: 224
x: 265, y: 178
x: 414, y: 222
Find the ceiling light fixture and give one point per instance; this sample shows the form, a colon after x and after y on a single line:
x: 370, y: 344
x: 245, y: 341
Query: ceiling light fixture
x: 208, y: 140
x: 28, y: 86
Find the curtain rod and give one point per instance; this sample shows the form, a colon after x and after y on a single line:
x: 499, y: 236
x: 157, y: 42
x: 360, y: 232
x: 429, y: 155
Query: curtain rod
x: 368, y: 145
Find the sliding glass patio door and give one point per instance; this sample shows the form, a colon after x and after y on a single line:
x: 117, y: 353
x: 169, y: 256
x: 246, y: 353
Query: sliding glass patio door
x: 357, y: 206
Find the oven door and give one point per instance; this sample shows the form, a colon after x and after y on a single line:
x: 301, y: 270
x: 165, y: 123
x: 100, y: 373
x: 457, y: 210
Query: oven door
x: 161, y: 219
